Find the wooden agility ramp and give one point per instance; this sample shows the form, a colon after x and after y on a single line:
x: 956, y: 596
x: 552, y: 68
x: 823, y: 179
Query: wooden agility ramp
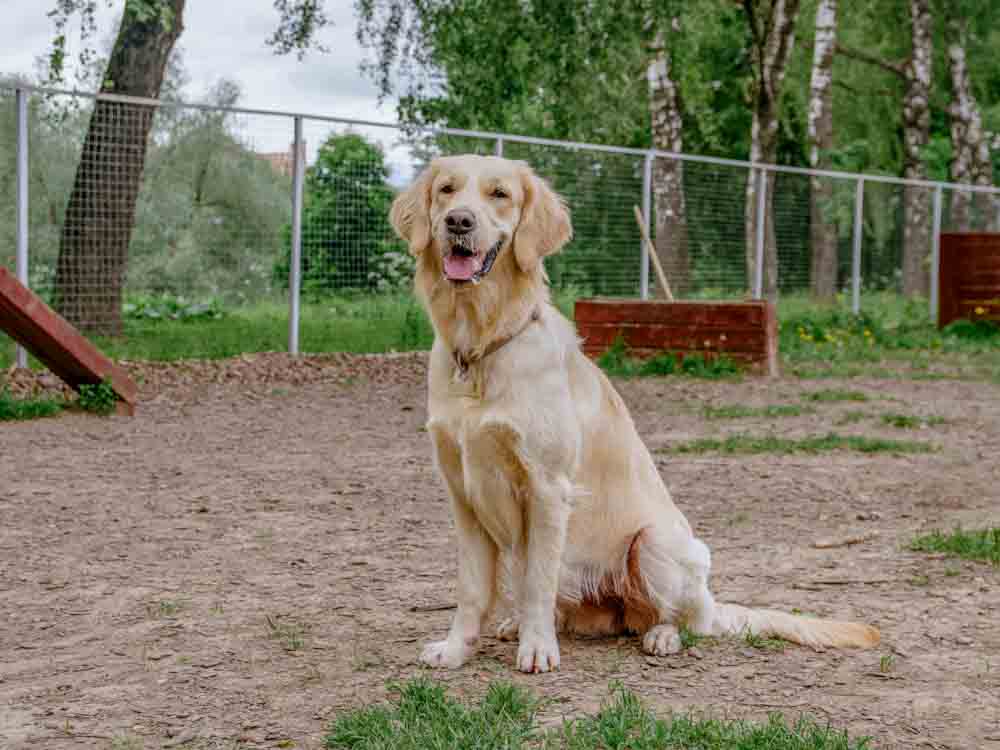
x: 57, y: 344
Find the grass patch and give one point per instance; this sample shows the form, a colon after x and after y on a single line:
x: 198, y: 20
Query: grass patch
x: 853, y: 416
x: 616, y: 361
x: 762, y: 642
x: 909, y: 421
x: 737, y: 411
x: 834, y: 395
x: 421, y: 715
x: 97, y: 398
x: 742, y: 444
x: 290, y: 635
x: 973, y: 545
x: 28, y: 408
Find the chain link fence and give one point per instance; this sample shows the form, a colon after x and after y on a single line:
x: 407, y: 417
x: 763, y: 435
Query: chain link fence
x: 142, y: 211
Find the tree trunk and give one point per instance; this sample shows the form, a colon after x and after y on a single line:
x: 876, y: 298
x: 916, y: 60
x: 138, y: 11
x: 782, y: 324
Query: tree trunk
x: 916, y: 134
x: 970, y: 146
x: 100, y: 215
x: 668, y: 174
x: 823, y: 232
x: 772, y: 31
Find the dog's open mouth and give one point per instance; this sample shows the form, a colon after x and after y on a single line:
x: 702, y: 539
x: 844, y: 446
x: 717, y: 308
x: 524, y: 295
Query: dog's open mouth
x: 464, y: 264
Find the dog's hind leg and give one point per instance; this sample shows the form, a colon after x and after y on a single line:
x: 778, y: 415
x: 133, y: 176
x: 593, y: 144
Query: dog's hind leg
x: 667, y: 581
x: 477, y: 568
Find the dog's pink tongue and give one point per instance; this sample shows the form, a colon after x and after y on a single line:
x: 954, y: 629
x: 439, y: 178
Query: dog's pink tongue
x: 460, y: 267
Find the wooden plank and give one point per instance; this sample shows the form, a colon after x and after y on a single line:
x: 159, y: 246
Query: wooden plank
x: 668, y: 337
x: 715, y: 314
x: 57, y: 344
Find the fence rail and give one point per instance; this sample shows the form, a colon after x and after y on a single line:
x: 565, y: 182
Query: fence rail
x: 124, y: 199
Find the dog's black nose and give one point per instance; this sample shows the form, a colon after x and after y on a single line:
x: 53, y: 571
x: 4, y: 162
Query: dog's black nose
x: 460, y: 221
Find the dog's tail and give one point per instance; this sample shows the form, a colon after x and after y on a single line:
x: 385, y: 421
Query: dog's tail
x: 733, y: 619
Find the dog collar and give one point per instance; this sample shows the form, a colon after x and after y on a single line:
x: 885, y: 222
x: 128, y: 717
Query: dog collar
x: 463, y: 361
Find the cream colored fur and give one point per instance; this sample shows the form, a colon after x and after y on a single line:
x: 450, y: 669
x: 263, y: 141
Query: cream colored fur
x: 557, y: 502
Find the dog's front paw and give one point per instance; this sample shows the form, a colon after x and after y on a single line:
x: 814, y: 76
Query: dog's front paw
x: 443, y: 654
x: 507, y: 630
x: 661, y: 640
x: 538, y: 652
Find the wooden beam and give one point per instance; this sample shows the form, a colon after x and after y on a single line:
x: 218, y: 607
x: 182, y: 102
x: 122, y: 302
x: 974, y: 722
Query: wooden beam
x: 26, y: 318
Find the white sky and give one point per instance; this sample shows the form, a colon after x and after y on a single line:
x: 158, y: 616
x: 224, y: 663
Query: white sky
x: 225, y: 38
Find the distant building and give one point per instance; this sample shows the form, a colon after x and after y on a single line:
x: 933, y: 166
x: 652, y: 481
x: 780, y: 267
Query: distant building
x: 282, y: 161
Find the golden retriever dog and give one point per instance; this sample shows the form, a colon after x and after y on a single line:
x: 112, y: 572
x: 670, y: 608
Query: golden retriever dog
x: 558, y: 506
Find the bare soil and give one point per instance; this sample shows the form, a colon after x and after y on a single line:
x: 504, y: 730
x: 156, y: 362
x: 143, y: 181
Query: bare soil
x: 266, y: 544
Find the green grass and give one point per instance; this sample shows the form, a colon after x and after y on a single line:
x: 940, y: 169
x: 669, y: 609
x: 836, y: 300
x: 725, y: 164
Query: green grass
x: 617, y: 362
x: 753, y: 444
x: 422, y: 716
x: 834, y: 395
x: 852, y: 416
x: 972, y: 545
x: 29, y: 408
x: 910, y: 421
x: 738, y: 411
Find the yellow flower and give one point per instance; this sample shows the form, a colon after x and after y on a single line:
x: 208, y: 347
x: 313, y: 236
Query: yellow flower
x: 868, y: 334
x: 980, y: 310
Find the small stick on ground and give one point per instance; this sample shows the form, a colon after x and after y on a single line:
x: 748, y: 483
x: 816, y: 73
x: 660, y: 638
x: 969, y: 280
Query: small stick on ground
x: 845, y: 541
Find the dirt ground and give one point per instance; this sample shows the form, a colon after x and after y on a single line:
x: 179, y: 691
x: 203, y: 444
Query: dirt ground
x: 266, y: 544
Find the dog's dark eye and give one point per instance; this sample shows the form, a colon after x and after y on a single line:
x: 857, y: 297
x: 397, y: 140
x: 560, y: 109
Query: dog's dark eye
x: 447, y: 189
x: 499, y: 193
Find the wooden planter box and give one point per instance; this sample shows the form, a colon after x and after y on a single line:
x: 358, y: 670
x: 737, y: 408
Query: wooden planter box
x: 969, y: 279
x: 746, y: 332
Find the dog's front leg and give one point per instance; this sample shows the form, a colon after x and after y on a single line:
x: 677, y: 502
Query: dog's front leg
x: 477, y: 566
x: 547, y: 517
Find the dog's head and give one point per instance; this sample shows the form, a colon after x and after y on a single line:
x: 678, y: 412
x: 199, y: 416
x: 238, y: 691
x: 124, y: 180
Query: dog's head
x: 463, y: 213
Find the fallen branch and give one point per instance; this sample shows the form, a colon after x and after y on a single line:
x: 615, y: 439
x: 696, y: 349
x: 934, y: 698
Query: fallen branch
x: 432, y: 607
x: 845, y: 541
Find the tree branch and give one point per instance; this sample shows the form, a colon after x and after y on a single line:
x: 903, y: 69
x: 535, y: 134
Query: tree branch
x: 899, y: 68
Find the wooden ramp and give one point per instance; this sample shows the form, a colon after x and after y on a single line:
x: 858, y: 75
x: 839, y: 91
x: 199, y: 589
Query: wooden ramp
x: 57, y: 344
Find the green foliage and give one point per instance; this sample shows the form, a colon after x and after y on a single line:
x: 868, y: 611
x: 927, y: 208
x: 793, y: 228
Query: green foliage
x: 751, y: 444
x: 97, y: 398
x: 616, y: 361
x: 30, y: 408
x: 347, y: 242
x: 169, y: 307
x: 973, y: 330
x: 973, y: 545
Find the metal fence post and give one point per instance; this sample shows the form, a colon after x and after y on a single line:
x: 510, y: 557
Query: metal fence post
x: 295, y: 267
x: 498, y: 151
x: 758, y: 271
x: 859, y: 228
x: 647, y: 200
x: 936, y: 254
x: 21, y: 103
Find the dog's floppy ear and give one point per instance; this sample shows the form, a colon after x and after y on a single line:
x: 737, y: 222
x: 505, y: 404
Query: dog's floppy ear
x: 544, y: 227
x: 410, y: 214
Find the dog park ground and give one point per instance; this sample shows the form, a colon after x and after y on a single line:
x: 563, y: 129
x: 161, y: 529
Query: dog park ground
x: 267, y: 544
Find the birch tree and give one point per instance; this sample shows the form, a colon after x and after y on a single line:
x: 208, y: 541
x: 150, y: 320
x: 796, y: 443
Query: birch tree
x: 915, y: 74
x: 668, y: 174
x: 823, y: 234
x: 970, y: 146
x: 772, y: 36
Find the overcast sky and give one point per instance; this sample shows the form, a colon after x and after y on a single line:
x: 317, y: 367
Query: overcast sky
x: 225, y: 38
